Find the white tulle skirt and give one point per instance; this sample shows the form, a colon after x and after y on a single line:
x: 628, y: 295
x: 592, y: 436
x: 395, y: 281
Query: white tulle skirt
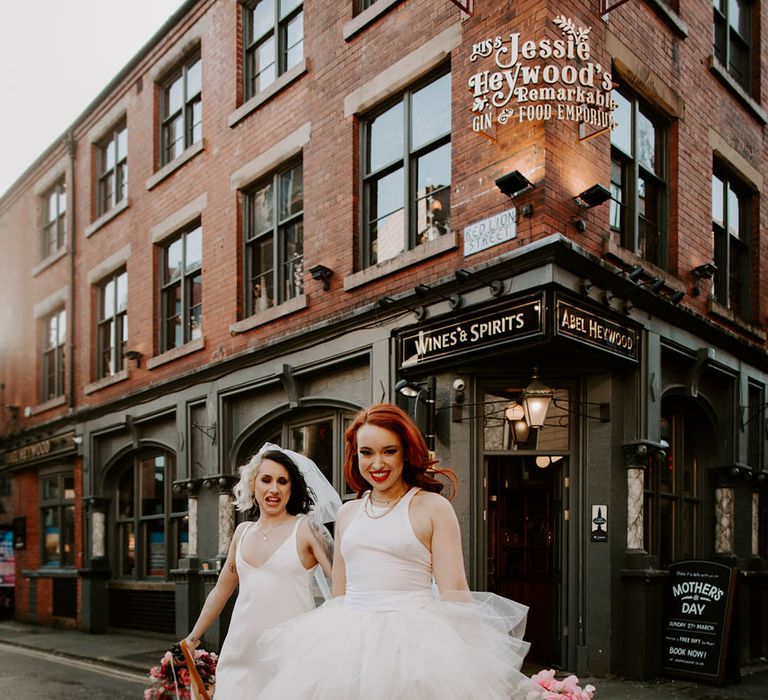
x: 400, y: 646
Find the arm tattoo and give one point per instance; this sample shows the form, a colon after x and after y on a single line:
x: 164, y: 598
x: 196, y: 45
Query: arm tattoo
x: 233, y: 568
x: 323, y: 537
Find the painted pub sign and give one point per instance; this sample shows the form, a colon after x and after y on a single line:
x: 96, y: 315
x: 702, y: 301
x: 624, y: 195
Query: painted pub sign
x: 540, y: 79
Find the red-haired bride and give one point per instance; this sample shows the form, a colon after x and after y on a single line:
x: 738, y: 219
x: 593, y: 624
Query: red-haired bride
x: 387, y: 635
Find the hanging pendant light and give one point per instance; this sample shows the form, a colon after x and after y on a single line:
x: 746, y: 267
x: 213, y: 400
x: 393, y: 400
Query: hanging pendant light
x: 520, y: 431
x: 536, y: 399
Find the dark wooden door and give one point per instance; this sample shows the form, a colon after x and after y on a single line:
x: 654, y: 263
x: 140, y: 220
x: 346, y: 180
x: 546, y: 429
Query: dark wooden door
x: 523, y: 546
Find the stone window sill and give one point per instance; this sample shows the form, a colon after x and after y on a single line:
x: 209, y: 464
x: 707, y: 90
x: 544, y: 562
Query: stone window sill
x: 410, y: 257
x: 52, y: 572
x: 50, y: 260
x: 261, y: 317
x: 131, y: 585
x: 48, y: 405
x: 670, y: 17
x: 176, y: 353
x: 724, y: 313
x: 752, y: 107
x: 175, y: 164
x: 100, y: 384
x: 252, y: 104
x: 366, y: 17
x: 106, y: 217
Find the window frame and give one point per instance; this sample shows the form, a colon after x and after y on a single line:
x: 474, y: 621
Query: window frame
x: 59, y: 505
x: 185, y: 112
x: 726, y: 247
x: 137, y: 523
x: 112, y: 182
x: 725, y: 37
x: 277, y: 232
x: 117, y: 320
x: 52, y: 367
x: 754, y: 420
x: 278, y: 34
x: 54, y: 227
x: 631, y: 220
x: 407, y: 163
x: 654, y: 494
x: 186, y: 281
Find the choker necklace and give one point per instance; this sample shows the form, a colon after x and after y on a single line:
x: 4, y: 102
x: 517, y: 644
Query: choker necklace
x: 266, y: 533
x: 370, y: 507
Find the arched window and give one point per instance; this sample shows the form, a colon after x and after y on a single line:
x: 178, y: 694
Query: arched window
x: 318, y: 434
x: 150, y: 518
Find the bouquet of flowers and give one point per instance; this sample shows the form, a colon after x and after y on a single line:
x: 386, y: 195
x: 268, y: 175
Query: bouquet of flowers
x: 172, y: 680
x: 566, y: 689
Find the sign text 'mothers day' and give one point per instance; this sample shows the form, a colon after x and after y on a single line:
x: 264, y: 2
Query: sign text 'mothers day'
x: 540, y: 80
x: 698, y: 606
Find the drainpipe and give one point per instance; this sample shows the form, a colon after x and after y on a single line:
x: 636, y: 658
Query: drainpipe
x: 71, y: 148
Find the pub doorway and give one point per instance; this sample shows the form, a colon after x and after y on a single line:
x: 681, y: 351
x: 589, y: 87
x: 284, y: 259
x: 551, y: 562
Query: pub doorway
x: 525, y: 541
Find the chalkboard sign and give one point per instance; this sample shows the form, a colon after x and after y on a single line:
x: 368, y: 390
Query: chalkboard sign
x: 698, y: 611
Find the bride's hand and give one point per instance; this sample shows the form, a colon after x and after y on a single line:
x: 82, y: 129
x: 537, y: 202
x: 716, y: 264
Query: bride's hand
x: 192, y: 642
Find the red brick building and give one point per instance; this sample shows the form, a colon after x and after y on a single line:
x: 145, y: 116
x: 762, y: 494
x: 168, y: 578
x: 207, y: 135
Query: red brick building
x: 278, y: 210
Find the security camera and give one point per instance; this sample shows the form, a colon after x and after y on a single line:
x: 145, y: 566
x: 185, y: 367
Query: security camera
x: 459, y: 384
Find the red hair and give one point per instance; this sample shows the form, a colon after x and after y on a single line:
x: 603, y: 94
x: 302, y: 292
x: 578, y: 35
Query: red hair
x: 417, y: 463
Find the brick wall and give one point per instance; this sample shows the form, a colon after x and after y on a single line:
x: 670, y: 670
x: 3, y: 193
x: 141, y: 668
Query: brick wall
x: 549, y: 153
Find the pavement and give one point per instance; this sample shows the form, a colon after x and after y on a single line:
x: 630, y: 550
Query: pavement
x: 138, y: 653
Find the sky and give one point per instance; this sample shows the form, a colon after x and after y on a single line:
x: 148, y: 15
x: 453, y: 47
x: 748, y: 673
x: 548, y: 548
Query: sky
x: 56, y: 56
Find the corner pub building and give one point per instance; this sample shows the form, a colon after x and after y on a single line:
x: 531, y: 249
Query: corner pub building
x: 546, y: 219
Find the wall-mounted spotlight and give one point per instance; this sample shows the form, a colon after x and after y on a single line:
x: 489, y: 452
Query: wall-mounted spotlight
x: 496, y: 286
x: 134, y: 355
x: 420, y: 311
x: 635, y: 273
x: 321, y: 272
x: 677, y: 297
x: 514, y: 183
x: 653, y: 283
x: 702, y: 272
x: 592, y: 197
x: 423, y: 290
x: 579, y: 223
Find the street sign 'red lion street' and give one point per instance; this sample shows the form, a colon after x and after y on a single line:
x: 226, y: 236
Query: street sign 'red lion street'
x: 698, y: 607
x: 501, y: 325
x: 490, y: 232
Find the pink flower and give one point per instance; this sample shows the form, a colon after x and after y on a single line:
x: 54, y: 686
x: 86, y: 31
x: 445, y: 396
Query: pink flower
x: 566, y: 689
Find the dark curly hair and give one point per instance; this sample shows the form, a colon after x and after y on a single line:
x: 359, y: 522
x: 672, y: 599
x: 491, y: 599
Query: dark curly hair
x: 302, y: 497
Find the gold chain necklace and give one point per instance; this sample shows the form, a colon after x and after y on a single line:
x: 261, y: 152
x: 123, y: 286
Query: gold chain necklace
x: 267, y: 533
x: 369, y: 506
